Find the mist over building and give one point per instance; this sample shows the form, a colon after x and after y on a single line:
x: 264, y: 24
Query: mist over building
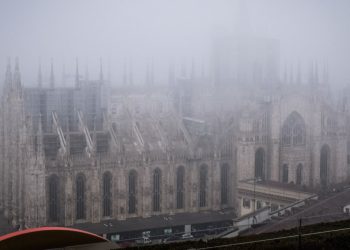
x: 206, y: 143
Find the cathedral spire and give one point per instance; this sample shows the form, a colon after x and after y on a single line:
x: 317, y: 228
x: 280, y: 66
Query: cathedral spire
x: 152, y: 73
x: 193, y: 69
x: 130, y: 75
x: 63, y: 74
x: 40, y: 146
x: 171, y: 77
x: 52, y: 77
x: 77, y: 80
x: 311, y: 74
x: 148, y: 77
x: 86, y: 72
x: 325, y: 74
x: 101, y: 71
x: 291, y: 75
x: 285, y: 74
x: 109, y: 71
x: 40, y: 124
x: 125, y: 74
x: 8, y: 76
x: 17, y: 76
x: 298, y: 74
x: 183, y: 70
x: 40, y: 78
x: 316, y: 73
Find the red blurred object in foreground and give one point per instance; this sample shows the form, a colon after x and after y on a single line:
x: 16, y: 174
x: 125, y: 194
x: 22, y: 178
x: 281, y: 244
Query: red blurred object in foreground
x: 47, y: 237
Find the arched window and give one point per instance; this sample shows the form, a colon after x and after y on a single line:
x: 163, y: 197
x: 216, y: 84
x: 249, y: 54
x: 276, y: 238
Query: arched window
x: 224, y: 184
x: 293, y: 130
x: 80, y: 195
x: 299, y: 174
x: 156, y: 189
x: 180, y: 175
x: 107, y: 194
x: 324, y: 165
x: 260, y: 164
x: 298, y: 135
x: 132, y: 191
x: 203, y: 183
x: 285, y: 173
x: 53, y: 198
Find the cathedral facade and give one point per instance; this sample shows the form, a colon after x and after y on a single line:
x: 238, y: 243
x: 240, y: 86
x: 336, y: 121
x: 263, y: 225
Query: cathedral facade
x: 294, y: 136
x: 93, y: 152
x: 75, y: 155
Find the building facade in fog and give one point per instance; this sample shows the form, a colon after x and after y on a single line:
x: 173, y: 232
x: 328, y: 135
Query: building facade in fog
x: 294, y: 135
x: 89, y: 152
x: 290, y: 130
x: 93, y: 151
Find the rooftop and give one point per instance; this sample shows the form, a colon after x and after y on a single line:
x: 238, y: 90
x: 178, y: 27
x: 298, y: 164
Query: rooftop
x: 159, y: 221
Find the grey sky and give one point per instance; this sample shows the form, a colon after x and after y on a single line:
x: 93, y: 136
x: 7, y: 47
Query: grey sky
x: 164, y: 30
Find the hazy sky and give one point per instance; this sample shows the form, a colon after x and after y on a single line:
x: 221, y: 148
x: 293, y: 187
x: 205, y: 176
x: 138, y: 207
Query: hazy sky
x: 166, y: 30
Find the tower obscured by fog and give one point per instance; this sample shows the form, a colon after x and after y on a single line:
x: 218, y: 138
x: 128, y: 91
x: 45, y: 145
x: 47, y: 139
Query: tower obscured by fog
x: 244, y: 59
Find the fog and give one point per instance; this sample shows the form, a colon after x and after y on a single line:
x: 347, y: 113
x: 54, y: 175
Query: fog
x: 164, y: 32
x: 251, y: 129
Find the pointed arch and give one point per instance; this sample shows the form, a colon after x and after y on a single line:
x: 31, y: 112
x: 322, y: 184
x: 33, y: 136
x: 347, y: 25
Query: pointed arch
x: 260, y: 163
x: 54, y: 196
x: 107, y: 193
x: 180, y: 179
x: 203, y: 185
x: 324, y: 165
x: 80, y: 196
x: 157, y: 175
x: 285, y: 172
x: 132, y: 200
x: 299, y: 174
x: 293, y: 130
